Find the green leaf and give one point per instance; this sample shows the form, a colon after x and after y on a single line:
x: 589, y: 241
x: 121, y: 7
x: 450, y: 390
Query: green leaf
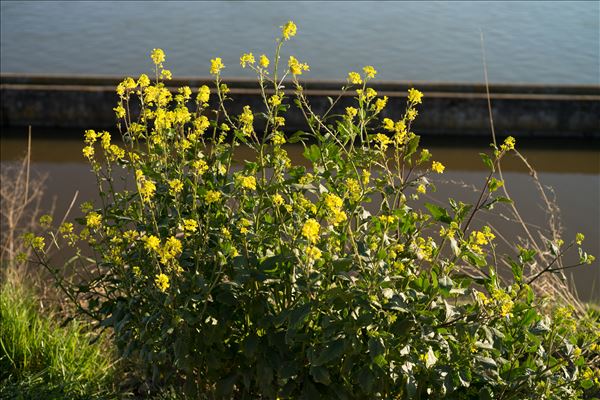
x: 320, y: 375
x: 487, y: 161
x: 412, y: 146
x: 312, y: 153
x: 332, y: 351
x: 439, y: 213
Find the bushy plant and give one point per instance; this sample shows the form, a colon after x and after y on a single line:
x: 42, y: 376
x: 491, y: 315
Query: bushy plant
x: 265, y: 279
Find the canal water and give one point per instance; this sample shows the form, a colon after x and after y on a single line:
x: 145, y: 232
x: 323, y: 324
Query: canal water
x: 526, y: 41
x: 572, y: 173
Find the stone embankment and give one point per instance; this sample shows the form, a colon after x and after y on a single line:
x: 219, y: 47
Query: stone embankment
x: 457, y: 109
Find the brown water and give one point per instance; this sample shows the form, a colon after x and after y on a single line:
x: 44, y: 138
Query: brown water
x: 573, y: 174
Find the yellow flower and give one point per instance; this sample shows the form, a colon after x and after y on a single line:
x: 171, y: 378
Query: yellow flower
x: 90, y: 136
x: 351, y: 112
x: 333, y: 202
x: 275, y: 100
x: 200, y: 166
x: 176, y: 186
x: 437, y: 167
x: 147, y: 190
x: 38, y: 243
x: 288, y: 30
x: 88, y: 152
x: 246, y: 58
x: 158, y: 56
x: 414, y: 96
x: 509, y: 144
x: 579, y: 238
x: 166, y: 74
x: 143, y: 81
x: 162, y: 282
x: 248, y: 182
x: 296, y: 67
x: 388, y: 125
x: 152, y: 243
x: 277, y: 199
x: 243, y: 225
x: 105, y: 140
x: 216, y: 65
x: 172, y: 249
x: 264, y: 61
x: 203, y: 94
x: 421, y: 189
x: 313, y: 253
x: 278, y: 139
x: 337, y: 217
x: 353, y: 188
x: 381, y: 103
x: 354, y: 78
x: 411, y: 114
x: 212, y: 196
x: 366, y: 176
x: 93, y: 220
x: 383, y: 141
x: 369, y: 71
x: 310, y: 230
x: 119, y: 111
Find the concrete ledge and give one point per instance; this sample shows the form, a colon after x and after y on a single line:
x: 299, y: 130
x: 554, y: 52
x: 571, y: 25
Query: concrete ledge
x: 86, y: 102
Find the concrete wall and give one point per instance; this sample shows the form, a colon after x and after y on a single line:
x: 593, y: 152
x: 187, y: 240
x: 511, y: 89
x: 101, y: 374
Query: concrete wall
x: 448, y: 109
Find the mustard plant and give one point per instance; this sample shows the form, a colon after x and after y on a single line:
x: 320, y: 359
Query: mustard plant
x: 259, y: 278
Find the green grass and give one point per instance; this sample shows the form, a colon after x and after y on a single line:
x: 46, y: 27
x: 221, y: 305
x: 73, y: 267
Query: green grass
x: 42, y: 359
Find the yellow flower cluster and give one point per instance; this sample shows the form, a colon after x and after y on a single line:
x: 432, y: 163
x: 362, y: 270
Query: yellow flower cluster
x: 509, y: 144
x: 246, y: 58
x: 437, y: 167
x: 203, y: 94
x: 278, y: 139
x: 264, y: 61
x: 382, y: 140
x: 146, y: 187
x: 414, y: 96
x: 313, y: 253
x: 244, y: 224
x: 503, y: 302
x: 162, y: 282
x: 296, y: 67
x: 212, y: 196
x: 152, y: 243
x: 171, y: 250
x: 93, y: 220
x: 288, y: 30
x: 369, y: 71
x: 247, y: 182
x: 176, y: 186
x: 354, y: 78
x: 380, y: 104
x: 216, y: 65
x: 158, y: 56
x: 334, y: 204
x: 190, y: 225
x: 277, y: 199
x: 275, y: 100
x: 354, y: 190
x: 351, y: 112
x: 310, y: 230
x: 246, y: 119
